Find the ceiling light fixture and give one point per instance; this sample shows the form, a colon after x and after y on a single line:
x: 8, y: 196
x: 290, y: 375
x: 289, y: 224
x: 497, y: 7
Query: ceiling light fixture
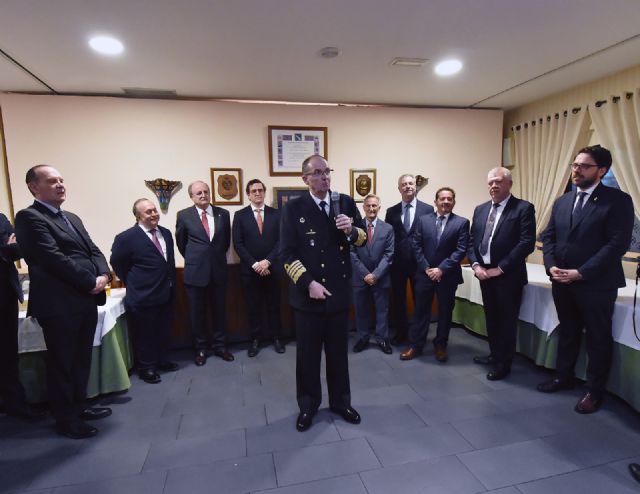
x: 448, y: 67
x: 408, y: 62
x: 106, y: 45
x: 330, y: 52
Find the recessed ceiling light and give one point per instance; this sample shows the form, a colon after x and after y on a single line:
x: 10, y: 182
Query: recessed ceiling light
x: 106, y: 45
x: 330, y: 52
x: 448, y: 67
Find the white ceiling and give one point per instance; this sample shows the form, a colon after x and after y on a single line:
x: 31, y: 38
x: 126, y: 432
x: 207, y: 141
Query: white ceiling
x: 268, y: 49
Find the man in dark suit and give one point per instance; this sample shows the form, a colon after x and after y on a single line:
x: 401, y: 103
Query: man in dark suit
x: 68, y: 275
x: 143, y: 259
x: 11, y: 390
x: 203, y: 235
x: 371, y: 279
x: 256, y: 235
x: 402, y: 217
x: 588, y: 233
x: 439, y: 244
x: 503, y: 234
x: 316, y: 231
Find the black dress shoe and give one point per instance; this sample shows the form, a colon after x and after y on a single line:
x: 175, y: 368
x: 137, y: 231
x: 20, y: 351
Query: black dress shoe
x: 556, y: 384
x: 349, y: 414
x: 95, y: 413
x: 223, y: 354
x: 360, y: 345
x: 278, y: 346
x: 488, y: 360
x: 149, y: 376
x: 500, y: 371
x: 167, y: 366
x: 76, y: 429
x: 304, y: 421
x: 385, y: 346
x: 201, y: 358
x: 254, y: 348
x: 589, y: 403
x: 634, y: 470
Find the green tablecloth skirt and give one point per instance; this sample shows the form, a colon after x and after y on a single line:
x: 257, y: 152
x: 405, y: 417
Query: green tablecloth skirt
x: 624, y: 377
x: 110, y: 366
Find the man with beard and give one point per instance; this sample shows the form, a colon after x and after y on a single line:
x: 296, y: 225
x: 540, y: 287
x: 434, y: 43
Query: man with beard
x: 588, y: 233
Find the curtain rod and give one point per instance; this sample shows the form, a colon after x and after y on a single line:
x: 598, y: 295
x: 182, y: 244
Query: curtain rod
x: 540, y: 120
x: 614, y: 99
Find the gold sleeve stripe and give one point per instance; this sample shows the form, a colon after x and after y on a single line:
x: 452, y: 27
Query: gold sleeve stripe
x: 362, y: 237
x: 295, y: 270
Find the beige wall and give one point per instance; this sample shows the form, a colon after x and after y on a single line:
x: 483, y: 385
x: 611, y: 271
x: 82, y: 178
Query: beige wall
x: 106, y: 147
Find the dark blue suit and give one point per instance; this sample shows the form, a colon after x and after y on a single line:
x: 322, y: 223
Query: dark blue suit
x: 447, y: 254
x: 63, y: 268
x: 205, y: 274
x: 513, y: 239
x: 150, y: 282
x: 252, y: 246
x: 11, y: 390
x: 404, y: 264
x: 594, y: 245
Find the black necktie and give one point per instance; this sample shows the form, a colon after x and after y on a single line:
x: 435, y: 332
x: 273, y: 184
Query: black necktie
x: 577, y: 210
x: 488, y: 230
x: 68, y: 226
x: 323, y: 207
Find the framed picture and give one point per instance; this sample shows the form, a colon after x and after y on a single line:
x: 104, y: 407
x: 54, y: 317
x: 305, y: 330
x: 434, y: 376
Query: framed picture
x: 361, y: 183
x: 226, y: 186
x: 282, y: 195
x: 289, y: 146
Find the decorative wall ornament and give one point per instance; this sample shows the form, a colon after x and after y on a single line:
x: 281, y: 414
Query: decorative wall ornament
x: 164, y: 190
x: 362, y: 182
x: 226, y: 186
x: 421, y: 182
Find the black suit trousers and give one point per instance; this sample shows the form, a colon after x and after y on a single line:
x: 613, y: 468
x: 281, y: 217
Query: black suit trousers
x: 501, y: 297
x: 315, y: 330
x: 69, y: 342
x: 150, y: 329
x: 207, y: 313
x: 11, y: 390
x: 422, y: 318
x: 400, y: 273
x: 262, y: 292
x: 578, y: 308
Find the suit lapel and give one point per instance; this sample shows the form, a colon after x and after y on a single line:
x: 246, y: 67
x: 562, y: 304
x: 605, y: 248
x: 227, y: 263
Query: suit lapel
x: 147, y: 241
x: 588, y: 207
x: 505, y: 214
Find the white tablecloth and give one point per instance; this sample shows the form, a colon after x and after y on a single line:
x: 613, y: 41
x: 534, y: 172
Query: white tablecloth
x: 538, y: 308
x: 31, y: 339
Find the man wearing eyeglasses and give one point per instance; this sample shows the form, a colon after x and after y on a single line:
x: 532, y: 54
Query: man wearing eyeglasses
x: 256, y: 235
x: 316, y: 232
x: 503, y: 234
x: 588, y: 233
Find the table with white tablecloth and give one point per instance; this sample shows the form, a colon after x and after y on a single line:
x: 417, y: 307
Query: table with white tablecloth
x: 537, y: 338
x: 111, y: 358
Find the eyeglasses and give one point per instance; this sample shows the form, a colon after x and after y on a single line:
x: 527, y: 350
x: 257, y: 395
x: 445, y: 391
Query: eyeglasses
x: 256, y: 191
x: 581, y: 166
x: 318, y: 173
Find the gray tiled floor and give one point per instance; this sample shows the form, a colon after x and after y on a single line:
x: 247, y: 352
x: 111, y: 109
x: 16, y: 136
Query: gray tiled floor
x: 427, y: 428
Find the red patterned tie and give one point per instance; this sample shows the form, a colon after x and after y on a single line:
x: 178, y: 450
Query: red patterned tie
x: 370, y: 233
x: 156, y: 242
x: 205, y: 224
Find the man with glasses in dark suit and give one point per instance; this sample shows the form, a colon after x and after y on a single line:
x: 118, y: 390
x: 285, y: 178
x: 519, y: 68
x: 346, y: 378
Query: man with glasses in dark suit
x: 588, y: 233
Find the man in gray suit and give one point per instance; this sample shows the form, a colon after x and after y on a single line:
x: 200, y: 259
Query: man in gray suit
x: 371, y: 276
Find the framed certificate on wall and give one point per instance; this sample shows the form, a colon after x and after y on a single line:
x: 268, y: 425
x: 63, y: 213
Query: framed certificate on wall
x: 289, y: 146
